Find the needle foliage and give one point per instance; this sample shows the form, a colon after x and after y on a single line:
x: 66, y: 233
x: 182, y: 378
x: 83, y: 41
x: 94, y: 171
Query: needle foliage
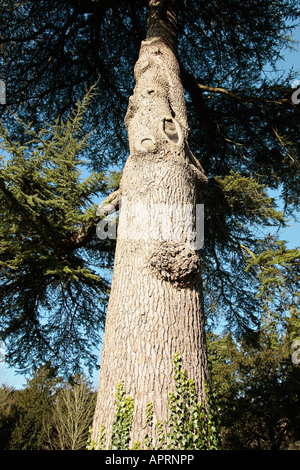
x: 53, y: 292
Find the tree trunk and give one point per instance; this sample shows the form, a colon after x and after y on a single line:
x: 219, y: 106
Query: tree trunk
x: 156, y: 304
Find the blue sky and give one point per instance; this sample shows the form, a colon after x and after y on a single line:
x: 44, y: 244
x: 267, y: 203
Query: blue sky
x: 291, y: 234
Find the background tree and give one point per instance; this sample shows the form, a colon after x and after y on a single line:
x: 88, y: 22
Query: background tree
x: 72, y: 415
x: 32, y: 410
x: 4, y: 398
x: 6, y: 420
x: 49, y: 413
x: 240, y: 118
x: 257, y: 385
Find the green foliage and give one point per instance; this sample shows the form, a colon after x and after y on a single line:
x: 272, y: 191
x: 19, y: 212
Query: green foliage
x: 50, y: 256
x: 7, y: 417
x: 100, y: 444
x: 31, y: 411
x: 120, y: 437
x: 257, y: 386
x: 255, y: 403
x: 237, y: 209
x: 191, y: 425
x: 149, y: 422
x: 277, y: 269
x: 113, y: 180
x: 248, y: 199
x: 244, y: 130
x: 245, y: 133
x: 48, y: 413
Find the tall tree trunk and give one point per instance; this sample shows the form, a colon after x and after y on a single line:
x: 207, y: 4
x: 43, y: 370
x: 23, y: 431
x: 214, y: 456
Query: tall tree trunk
x: 156, y: 304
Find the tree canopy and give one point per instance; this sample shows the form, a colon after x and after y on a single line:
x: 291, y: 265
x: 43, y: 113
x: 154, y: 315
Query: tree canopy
x: 244, y: 130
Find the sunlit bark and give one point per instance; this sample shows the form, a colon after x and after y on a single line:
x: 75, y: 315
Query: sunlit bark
x: 156, y: 305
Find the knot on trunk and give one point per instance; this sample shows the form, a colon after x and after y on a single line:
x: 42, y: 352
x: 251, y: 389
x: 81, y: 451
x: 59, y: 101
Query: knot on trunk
x: 174, y: 262
x: 172, y: 130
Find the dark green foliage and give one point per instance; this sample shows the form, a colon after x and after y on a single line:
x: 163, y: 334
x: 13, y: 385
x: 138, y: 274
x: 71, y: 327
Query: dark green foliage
x: 120, y: 436
x: 254, y: 404
x: 49, y: 413
x: 237, y: 207
x: 191, y: 425
x: 257, y: 385
x: 277, y: 269
x: 220, y: 43
x: 7, y: 418
x: 53, y: 294
x: 31, y: 411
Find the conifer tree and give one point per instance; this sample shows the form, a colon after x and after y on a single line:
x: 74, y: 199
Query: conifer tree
x: 53, y: 294
x: 257, y: 384
x: 32, y: 410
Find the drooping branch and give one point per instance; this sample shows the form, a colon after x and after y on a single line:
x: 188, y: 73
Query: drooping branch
x: 79, y: 238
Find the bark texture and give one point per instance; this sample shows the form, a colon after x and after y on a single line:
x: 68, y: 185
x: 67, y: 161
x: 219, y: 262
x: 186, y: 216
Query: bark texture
x: 156, y: 305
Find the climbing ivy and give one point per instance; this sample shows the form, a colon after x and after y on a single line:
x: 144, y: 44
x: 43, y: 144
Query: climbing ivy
x: 191, y: 424
x: 123, y: 420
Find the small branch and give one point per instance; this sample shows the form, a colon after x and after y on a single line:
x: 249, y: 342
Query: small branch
x: 81, y: 237
x: 110, y: 205
x: 223, y: 91
x: 245, y: 99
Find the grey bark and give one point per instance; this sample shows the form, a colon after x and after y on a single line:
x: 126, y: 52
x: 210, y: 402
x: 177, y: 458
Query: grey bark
x: 156, y: 304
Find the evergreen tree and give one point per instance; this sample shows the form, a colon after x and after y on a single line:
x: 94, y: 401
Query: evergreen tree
x: 6, y: 418
x: 53, y: 294
x: 257, y: 384
x: 242, y: 120
x: 32, y: 410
